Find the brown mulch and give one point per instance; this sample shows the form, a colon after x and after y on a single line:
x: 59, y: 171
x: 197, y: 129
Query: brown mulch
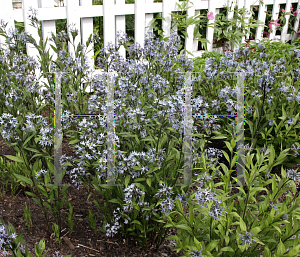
x: 83, y: 238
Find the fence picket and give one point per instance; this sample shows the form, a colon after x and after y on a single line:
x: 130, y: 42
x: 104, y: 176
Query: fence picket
x: 140, y: 22
x: 284, y: 31
x: 8, y: 17
x: 210, y: 30
x: 73, y: 18
x: 114, y: 19
x: 48, y: 27
x: 109, y: 33
x: 296, y: 25
x: 275, y: 12
x: 121, y: 26
x: 149, y: 17
x: 86, y: 31
x: 261, y: 17
x: 166, y: 14
x: 189, y: 41
x: 248, y: 15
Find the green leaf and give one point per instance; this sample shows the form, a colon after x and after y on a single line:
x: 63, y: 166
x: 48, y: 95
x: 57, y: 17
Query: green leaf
x: 127, y: 179
x: 211, y: 245
x: 280, y: 249
x: 32, y: 149
x: 226, y: 156
x: 293, y: 252
x: 227, y: 249
x: 74, y: 141
x: 137, y: 222
x: 115, y: 201
x: 267, y: 252
x: 229, y: 146
x: 23, y: 179
x: 255, y: 230
x: 148, y: 181
x: 243, y: 225
x: 185, y: 227
x: 14, y: 158
x: 26, y: 141
x: 31, y: 194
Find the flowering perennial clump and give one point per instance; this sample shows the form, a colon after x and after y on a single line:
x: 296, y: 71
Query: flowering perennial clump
x: 149, y: 130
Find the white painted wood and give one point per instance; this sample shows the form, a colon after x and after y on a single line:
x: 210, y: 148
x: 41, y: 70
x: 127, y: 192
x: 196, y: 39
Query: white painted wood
x: 275, y: 12
x: 210, y: 30
x: 230, y: 4
x: 121, y: 26
x: 296, y: 25
x: 139, y: 26
x: 31, y: 50
x: 149, y: 17
x: 26, y: 4
x: 166, y: 14
x: 73, y: 21
x: 240, y: 4
x: 59, y: 3
x: 48, y: 27
x: 247, y: 17
x: 285, y: 27
x: 109, y: 32
x: 195, y: 42
x: 189, y: 41
x: 261, y: 17
x: 86, y: 31
x: 6, y: 13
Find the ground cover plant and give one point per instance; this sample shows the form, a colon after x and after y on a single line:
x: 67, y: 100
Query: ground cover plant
x: 149, y: 134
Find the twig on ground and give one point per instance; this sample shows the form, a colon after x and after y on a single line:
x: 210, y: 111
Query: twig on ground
x: 88, y: 248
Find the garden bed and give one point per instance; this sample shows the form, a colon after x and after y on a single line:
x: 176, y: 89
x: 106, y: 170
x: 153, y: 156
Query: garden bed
x: 83, y: 238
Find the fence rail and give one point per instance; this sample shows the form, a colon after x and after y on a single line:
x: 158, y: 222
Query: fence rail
x: 81, y: 14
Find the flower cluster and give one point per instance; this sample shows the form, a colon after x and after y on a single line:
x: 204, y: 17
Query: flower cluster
x: 204, y: 196
x: 8, y: 124
x: 196, y: 253
x: 203, y: 179
x: 294, y: 175
x: 57, y: 254
x: 246, y: 239
x: 39, y: 173
x: 5, y: 240
x: 44, y: 129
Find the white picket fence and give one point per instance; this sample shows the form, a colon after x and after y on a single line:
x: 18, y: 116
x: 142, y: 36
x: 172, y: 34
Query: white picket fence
x: 81, y: 13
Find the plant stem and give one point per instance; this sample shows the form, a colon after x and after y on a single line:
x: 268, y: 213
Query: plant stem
x: 261, y: 112
x: 210, y: 231
x: 248, y: 191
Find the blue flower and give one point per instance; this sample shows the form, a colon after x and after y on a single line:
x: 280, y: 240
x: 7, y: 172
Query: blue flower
x: 261, y: 46
x: 290, y: 121
x: 250, y: 109
x: 246, y: 50
x: 297, y: 53
x: 246, y: 239
x: 262, y: 55
x: 204, y: 196
x: 196, y: 253
x: 216, y: 210
x: 167, y: 205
